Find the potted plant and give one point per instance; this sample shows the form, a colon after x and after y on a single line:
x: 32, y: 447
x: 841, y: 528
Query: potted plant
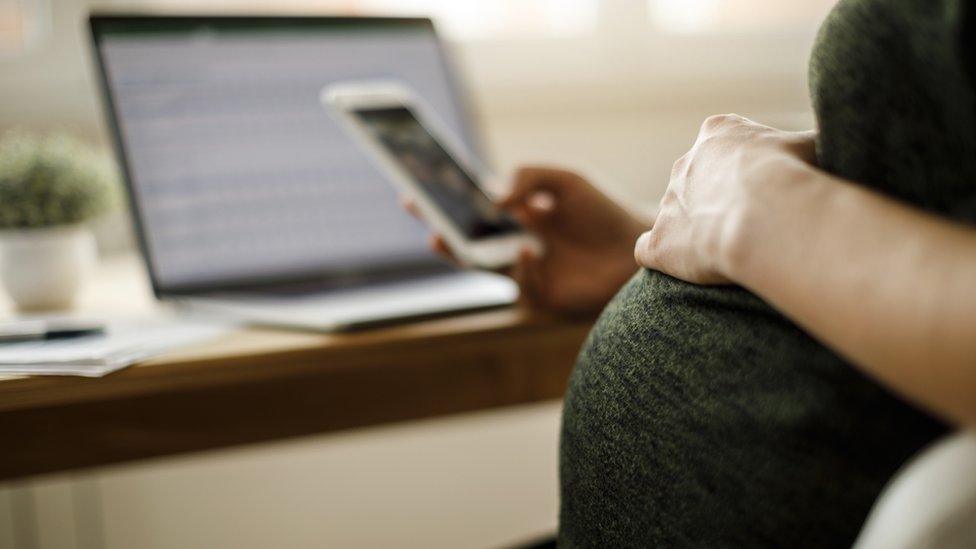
x: 50, y: 187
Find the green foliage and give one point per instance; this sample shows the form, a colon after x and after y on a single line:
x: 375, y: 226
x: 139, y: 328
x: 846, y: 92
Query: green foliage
x: 52, y: 180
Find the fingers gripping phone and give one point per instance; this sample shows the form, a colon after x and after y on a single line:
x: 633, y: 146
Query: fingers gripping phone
x: 425, y: 162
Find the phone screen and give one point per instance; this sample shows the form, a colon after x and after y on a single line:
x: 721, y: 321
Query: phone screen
x: 441, y: 178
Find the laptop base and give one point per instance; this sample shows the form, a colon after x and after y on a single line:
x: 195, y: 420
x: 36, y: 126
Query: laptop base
x: 355, y: 308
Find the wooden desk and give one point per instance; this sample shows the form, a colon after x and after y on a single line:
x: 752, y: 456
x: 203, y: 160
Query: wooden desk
x: 256, y: 385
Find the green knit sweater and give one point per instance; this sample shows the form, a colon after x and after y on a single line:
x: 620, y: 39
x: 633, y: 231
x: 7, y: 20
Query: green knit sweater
x: 700, y: 416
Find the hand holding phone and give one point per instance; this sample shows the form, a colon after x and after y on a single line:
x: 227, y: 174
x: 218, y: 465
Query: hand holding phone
x: 588, y: 238
x: 419, y: 156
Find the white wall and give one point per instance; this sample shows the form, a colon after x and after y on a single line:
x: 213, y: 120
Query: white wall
x: 49, y: 87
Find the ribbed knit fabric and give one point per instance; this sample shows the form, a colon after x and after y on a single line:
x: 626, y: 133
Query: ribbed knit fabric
x: 699, y: 416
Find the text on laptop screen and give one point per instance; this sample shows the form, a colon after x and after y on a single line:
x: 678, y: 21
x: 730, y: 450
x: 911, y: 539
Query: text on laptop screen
x: 238, y: 172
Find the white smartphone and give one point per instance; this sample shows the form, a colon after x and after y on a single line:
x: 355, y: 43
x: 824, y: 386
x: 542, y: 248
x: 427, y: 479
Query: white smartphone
x: 421, y: 157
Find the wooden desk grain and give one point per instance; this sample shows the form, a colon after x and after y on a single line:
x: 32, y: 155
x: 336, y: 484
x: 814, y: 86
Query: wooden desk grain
x: 257, y: 385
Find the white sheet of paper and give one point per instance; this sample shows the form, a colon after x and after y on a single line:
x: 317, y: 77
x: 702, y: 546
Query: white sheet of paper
x: 122, y: 344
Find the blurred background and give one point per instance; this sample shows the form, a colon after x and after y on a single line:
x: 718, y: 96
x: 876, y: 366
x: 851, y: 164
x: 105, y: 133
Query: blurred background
x: 617, y: 88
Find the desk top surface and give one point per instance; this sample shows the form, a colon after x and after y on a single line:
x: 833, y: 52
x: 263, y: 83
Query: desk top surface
x: 254, y: 385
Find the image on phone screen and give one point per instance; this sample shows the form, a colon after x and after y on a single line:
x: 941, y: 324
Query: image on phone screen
x: 441, y: 178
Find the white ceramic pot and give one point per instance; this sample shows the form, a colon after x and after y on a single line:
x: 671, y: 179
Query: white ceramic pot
x: 43, y: 269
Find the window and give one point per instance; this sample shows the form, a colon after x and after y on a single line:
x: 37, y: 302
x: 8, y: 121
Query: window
x: 22, y: 23
x: 495, y: 19
x: 488, y: 20
x: 647, y: 52
x: 736, y: 16
x: 458, y: 19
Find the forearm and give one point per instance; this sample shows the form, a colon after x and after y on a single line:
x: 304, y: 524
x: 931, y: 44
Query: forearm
x: 889, y: 287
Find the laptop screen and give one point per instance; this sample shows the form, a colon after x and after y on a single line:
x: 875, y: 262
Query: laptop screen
x: 237, y: 174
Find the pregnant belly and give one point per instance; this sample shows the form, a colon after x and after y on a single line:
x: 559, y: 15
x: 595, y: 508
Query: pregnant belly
x: 701, y: 416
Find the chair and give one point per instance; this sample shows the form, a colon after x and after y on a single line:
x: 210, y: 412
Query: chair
x: 930, y: 503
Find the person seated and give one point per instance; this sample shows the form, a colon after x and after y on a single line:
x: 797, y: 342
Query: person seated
x: 803, y: 320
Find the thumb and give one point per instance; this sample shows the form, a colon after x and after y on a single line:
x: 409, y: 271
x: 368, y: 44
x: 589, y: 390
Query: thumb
x: 541, y: 202
x: 535, y: 212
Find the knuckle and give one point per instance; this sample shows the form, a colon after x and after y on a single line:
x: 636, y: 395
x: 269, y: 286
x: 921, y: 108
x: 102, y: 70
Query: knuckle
x: 715, y: 121
x: 720, y: 139
x: 718, y: 122
x: 669, y: 199
x: 679, y: 165
x: 650, y: 240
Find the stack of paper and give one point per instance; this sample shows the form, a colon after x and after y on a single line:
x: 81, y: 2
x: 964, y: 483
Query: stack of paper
x: 123, y: 344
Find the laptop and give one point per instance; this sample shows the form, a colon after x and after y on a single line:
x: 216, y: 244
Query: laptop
x: 249, y: 201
